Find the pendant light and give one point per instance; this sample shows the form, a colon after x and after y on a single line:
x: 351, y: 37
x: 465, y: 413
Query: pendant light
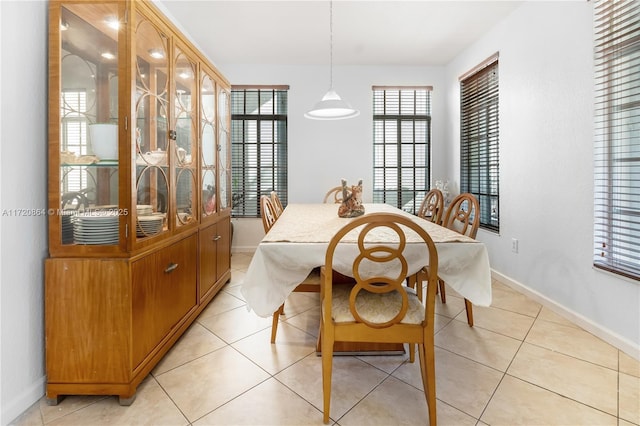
x: 331, y: 106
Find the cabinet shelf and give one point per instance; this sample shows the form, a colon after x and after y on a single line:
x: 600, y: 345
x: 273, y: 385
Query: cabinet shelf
x: 105, y: 163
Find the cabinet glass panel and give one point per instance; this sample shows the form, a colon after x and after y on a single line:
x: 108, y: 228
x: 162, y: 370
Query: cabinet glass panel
x: 89, y: 124
x: 224, y: 162
x: 185, y: 126
x: 151, y: 134
x: 208, y: 144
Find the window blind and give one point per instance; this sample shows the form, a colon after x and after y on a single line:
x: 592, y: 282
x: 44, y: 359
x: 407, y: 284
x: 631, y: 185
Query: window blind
x: 259, y: 146
x: 617, y: 137
x: 401, y: 145
x: 73, y: 105
x: 479, y: 140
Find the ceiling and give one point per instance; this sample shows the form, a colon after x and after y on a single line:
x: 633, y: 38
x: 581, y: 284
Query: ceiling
x: 379, y: 32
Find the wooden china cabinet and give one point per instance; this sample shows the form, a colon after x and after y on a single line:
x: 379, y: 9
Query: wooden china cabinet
x: 139, y: 193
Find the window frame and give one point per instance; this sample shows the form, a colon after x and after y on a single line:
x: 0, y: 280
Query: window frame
x: 74, y: 128
x: 480, y: 149
x: 616, y: 145
x: 409, y: 192
x: 251, y: 160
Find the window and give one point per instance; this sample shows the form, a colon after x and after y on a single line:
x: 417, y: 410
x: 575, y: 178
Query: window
x: 74, y: 134
x: 401, y: 145
x: 479, y: 173
x: 258, y: 146
x: 617, y: 137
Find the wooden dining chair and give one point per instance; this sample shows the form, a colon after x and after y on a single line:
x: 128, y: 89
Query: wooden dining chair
x: 277, y: 204
x: 463, y: 216
x: 311, y: 283
x: 378, y: 307
x: 334, y: 195
x: 432, y: 206
x: 267, y: 212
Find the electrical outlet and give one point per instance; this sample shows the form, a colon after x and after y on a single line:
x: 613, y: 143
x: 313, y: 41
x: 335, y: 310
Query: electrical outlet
x: 514, y: 245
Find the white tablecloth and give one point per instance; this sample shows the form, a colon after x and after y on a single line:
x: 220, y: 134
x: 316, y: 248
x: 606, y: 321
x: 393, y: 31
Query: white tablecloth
x: 298, y: 241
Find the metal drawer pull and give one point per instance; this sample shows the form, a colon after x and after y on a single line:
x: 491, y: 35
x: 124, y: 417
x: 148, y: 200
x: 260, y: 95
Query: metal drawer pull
x: 172, y: 267
x: 216, y: 238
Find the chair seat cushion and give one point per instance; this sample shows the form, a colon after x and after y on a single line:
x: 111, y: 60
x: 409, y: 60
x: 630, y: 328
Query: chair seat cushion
x: 377, y: 308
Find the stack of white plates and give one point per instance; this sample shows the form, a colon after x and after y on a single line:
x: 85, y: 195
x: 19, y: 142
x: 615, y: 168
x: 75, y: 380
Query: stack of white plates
x: 96, y: 227
x: 144, y: 210
x: 67, y: 226
x: 149, y: 224
x: 104, y: 207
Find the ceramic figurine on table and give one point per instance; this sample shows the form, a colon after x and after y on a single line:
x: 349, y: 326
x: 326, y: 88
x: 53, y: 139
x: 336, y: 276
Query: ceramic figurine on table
x: 351, y: 200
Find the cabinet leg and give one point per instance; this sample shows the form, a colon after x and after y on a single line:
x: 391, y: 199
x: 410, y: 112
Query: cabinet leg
x: 126, y: 401
x: 55, y: 400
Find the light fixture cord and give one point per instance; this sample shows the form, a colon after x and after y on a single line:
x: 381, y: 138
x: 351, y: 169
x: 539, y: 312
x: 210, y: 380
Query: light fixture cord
x: 330, y: 45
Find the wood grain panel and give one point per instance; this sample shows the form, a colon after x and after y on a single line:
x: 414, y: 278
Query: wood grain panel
x: 223, y: 247
x: 86, y: 320
x: 161, y: 296
x: 208, y: 264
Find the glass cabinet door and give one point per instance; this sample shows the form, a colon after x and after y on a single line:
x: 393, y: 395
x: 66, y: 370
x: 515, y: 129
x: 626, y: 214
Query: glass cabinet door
x: 208, y: 144
x: 224, y: 157
x: 89, y: 126
x: 184, y: 131
x: 151, y: 132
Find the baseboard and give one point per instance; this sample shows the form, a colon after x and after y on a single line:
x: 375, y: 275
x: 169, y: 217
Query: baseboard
x: 243, y: 249
x: 18, y: 405
x: 622, y: 343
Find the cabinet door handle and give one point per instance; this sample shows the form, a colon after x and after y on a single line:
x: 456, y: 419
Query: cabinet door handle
x: 170, y: 268
x: 216, y: 238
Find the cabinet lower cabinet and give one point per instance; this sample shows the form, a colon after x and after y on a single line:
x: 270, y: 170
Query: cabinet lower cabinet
x: 215, y: 257
x: 109, y: 321
x: 164, y: 291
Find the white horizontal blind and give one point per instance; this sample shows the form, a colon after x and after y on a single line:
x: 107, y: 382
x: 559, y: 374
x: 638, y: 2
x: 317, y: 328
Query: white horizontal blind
x: 74, y: 135
x: 401, y: 145
x: 479, y: 141
x: 617, y: 137
x: 258, y: 146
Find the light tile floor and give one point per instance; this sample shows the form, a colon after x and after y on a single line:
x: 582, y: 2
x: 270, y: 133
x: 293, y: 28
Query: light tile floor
x: 520, y: 364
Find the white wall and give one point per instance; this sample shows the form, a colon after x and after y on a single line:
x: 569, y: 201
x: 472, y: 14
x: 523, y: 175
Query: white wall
x: 23, y: 185
x: 546, y: 165
x: 323, y: 152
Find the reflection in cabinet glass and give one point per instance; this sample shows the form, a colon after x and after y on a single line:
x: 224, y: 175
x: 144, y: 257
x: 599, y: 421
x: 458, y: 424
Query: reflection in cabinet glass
x: 151, y: 115
x: 88, y: 126
x: 208, y: 144
x: 224, y: 158
x: 185, y: 125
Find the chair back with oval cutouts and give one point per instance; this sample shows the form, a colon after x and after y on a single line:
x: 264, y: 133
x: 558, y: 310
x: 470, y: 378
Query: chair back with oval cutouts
x: 277, y: 204
x: 463, y: 215
x: 267, y: 212
x: 432, y: 207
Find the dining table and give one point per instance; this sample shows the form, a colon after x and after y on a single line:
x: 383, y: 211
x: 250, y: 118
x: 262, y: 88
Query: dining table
x: 297, y: 243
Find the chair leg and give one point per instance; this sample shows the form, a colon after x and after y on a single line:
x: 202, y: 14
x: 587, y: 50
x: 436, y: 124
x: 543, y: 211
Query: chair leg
x: 443, y: 295
x: 428, y: 373
x: 274, y: 322
x: 327, y: 366
x: 469, y: 307
x: 411, y: 281
x: 415, y: 282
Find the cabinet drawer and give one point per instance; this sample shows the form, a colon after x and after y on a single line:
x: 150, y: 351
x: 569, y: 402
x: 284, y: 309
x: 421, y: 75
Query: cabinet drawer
x: 164, y: 290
